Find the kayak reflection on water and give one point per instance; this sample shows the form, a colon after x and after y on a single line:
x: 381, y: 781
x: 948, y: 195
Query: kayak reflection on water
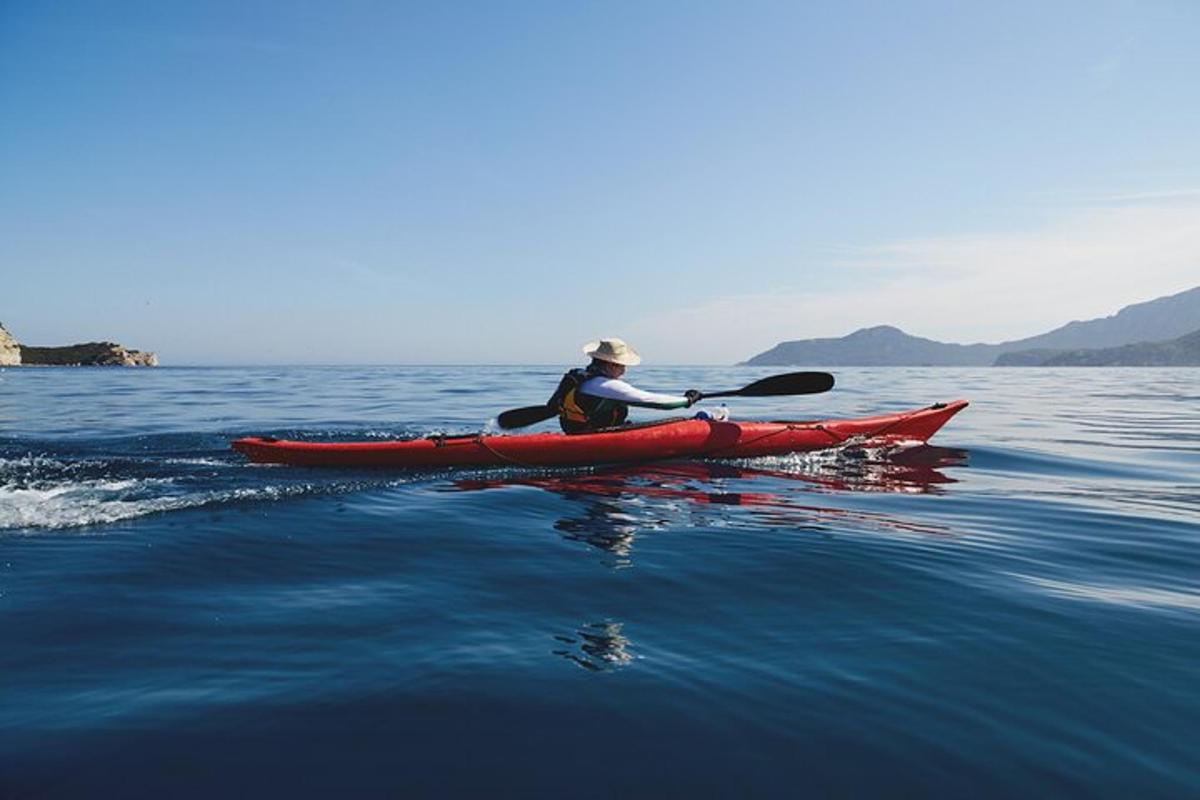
x: 620, y: 502
x: 597, y: 647
x: 604, y: 526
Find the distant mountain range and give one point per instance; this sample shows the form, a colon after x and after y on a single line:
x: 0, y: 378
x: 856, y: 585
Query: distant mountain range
x: 1181, y: 352
x: 1163, y: 322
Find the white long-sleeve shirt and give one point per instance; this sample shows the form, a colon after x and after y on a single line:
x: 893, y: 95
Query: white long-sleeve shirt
x: 615, y: 389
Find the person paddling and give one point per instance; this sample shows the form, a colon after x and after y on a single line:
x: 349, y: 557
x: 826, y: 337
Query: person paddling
x: 593, y: 397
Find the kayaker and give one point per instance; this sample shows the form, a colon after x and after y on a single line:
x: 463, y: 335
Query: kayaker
x: 594, y: 396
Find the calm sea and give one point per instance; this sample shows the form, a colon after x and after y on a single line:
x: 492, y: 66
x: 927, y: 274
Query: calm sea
x: 1011, y: 612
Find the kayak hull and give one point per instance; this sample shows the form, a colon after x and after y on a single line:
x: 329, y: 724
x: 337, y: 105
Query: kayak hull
x: 687, y: 438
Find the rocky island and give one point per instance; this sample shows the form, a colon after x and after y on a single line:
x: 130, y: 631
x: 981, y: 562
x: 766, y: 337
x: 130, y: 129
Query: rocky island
x: 87, y: 354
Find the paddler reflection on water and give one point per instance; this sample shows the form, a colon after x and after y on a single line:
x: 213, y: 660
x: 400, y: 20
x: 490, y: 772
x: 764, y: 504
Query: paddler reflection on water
x: 594, y: 397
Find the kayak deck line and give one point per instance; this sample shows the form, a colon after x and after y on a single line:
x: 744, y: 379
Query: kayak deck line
x: 654, y: 441
x: 839, y: 441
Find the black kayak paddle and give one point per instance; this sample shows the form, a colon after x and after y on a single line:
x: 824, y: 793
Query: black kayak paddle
x: 791, y: 383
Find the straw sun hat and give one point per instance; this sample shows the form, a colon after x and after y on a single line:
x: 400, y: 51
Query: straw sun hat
x: 614, y: 350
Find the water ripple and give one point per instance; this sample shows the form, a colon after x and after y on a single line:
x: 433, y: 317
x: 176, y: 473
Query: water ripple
x: 1128, y: 596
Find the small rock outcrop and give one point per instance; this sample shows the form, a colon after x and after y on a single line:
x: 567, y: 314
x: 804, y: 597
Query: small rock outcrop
x: 10, y: 351
x: 88, y: 354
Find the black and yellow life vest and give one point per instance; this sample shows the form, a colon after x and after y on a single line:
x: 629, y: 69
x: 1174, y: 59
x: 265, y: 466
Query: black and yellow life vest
x: 579, y: 412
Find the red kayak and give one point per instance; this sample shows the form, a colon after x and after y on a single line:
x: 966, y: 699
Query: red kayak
x: 679, y: 438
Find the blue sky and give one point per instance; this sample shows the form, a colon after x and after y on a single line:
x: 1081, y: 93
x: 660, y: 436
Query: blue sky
x: 499, y: 182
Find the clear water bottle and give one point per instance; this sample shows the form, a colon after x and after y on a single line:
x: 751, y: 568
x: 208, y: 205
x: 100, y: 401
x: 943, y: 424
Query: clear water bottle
x: 718, y: 414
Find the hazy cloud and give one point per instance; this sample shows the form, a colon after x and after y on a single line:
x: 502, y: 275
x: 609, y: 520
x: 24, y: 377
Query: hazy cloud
x: 985, y: 287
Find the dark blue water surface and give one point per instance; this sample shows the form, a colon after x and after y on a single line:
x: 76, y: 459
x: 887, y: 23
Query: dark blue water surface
x: 1012, y: 611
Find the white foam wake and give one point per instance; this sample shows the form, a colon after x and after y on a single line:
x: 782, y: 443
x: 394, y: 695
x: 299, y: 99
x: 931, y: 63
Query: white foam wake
x: 100, y: 502
x: 70, y: 505
x: 39, y: 492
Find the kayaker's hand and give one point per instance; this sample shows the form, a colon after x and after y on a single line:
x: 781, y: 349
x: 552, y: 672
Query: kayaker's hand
x: 693, y: 396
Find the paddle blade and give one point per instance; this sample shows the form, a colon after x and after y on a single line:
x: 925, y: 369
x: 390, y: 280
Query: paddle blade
x: 791, y: 383
x: 529, y: 415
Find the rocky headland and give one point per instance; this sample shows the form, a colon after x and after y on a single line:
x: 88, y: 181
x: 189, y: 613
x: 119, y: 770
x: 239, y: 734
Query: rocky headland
x: 87, y: 354
x: 10, y: 350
